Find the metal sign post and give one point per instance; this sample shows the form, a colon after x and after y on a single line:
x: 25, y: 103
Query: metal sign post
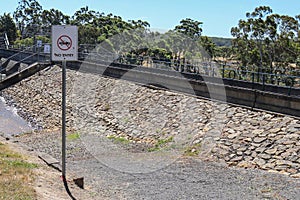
x: 63, y: 106
x: 64, y: 48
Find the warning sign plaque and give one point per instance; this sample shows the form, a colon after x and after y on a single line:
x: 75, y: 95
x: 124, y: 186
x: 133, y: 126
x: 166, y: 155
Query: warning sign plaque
x: 64, y: 43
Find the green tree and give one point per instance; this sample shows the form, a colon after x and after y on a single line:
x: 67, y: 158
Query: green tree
x: 138, y: 24
x: 96, y: 27
x: 53, y: 17
x: 88, y: 29
x: 8, y: 26
x: 191, y: 28
x: 208, y: 45
x: 250, y: 35
x: 84, y: 16
x: 28, y: 17
x: 265, y: 38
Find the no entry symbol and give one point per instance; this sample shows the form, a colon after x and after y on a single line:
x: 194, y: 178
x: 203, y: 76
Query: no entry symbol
x: 64, y: 42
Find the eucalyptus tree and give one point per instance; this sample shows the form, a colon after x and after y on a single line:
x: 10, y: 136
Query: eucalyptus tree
x: 84, y: 16
x: 250, y: 35
x: 298, y: 41
x: 190, y: 27
x: 265, y: 39
x: 8, y: 26
x: 287, y: 42
x: 53, y: 17
x: 28, y: 17
x: 96, y: 27
x: 208, y: 45
x: 185, y: 36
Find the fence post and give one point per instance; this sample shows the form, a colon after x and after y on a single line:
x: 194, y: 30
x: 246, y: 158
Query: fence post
x: 258, y: 74
x: 264, y: 80
x: 253, y: 77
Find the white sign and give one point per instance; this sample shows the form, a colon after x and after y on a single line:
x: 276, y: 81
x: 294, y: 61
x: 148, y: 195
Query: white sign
x: 47, y: 48
x: 39, y: 43
x: 64, y: 43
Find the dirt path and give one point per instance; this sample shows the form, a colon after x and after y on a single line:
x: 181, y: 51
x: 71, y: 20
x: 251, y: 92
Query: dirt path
x: 185, y: 178
x: 48, y: 183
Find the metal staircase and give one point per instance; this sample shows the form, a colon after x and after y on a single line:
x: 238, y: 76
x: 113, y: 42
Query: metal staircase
x: 16, y: 65
x: 22, y: 74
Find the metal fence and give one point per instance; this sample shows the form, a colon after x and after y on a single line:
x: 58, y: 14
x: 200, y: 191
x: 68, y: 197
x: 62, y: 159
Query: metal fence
x: 278, y: 76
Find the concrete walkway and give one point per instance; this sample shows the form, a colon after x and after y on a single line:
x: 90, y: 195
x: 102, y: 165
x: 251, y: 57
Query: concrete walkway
x: 10, y: 122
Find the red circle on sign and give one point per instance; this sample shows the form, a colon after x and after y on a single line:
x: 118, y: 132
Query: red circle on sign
x: 64, y: 42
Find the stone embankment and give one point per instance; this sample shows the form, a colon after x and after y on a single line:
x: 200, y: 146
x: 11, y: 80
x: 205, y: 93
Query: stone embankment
x: 214, y: 131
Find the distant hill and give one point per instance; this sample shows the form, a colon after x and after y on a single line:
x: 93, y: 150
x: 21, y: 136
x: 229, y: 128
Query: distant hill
x: 221, y: 41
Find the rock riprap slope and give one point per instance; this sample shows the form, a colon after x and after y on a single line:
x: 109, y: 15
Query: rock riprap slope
x: 157, y: 119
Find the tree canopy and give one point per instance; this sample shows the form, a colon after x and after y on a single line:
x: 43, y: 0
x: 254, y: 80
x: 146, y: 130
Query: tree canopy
x: 8, y: 26
x: 263, y: 38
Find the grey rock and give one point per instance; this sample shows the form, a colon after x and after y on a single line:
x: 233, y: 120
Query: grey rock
x: 260, y: 149
x: 271, y: 151
x: 260, y: 162
x: 268, y: 166
x: 274, y: 130
x: 257, y: 131
x: 284, y: 162
x: 232, y: 136
x: 264, y: 156
x: 259, y: 139
x: 237, y: 158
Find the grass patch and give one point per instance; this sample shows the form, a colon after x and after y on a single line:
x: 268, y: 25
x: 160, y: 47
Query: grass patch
x: 161, y: 132
x: 161, y: 143
x: 106, y: 107
x: 193, y: 150
x: 8, y: 154
x: 266, y: 190
x: 126, y: 120
x: 16, y: 176
x: 73, y: 136
x: 21, y: 164
x: 118, y: 140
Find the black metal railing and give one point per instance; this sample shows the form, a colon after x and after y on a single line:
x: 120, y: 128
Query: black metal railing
x: 277, y: 76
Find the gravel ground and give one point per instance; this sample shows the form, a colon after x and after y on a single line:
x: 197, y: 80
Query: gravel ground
x: 188, y: 179
x: 185, y: 178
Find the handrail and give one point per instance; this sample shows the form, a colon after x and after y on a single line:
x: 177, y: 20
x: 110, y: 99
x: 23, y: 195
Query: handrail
x: 6, y: 40
x: 30, y: 56
x: 23, y: 51
x: 211, y: 68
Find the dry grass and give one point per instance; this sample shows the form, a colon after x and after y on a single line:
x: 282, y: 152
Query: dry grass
x: 16, y: 176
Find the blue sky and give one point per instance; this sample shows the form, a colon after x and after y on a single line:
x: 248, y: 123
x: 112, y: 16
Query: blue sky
x: 218, y: 16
